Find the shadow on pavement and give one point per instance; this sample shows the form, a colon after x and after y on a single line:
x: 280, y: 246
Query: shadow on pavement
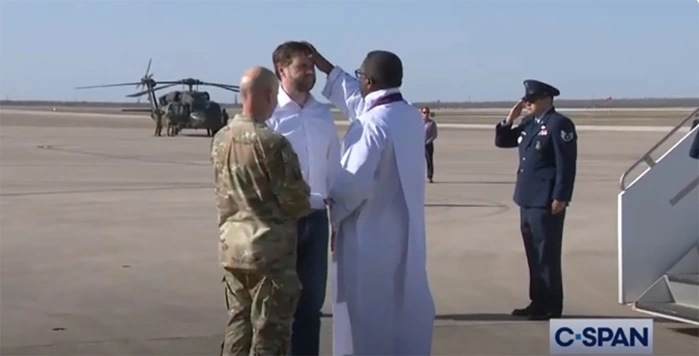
x: 689, y: 331
x: 475, y: 182
x: 508, y: 317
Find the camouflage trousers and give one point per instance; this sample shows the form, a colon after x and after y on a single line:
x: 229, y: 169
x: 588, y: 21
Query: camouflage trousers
x: 158, y: 125
x: 260, y: 311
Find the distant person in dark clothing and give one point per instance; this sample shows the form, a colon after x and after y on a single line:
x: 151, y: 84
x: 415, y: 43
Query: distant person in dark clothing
x: 430, y: 136
x: 694, y: 150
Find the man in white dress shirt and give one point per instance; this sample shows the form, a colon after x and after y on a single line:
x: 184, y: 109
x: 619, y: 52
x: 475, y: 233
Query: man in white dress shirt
x: 310, y: 128
x: 382, y: 304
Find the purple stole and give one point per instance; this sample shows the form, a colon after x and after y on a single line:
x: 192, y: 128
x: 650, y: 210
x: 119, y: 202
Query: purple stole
x: 387, y: 99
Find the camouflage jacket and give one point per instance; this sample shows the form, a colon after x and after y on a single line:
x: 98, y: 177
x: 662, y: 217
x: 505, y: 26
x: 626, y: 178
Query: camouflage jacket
x: 260, y: 195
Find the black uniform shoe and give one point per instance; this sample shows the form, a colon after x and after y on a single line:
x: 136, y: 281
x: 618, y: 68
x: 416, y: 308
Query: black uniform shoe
x: 522, y: 312
x: 539, y: 315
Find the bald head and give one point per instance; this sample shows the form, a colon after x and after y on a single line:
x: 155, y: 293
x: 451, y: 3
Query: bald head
x: 258, y: 90
x: 257, y: 80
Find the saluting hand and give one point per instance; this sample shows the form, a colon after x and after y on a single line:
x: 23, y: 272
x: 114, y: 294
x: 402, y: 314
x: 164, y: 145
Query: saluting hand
x: 557, y: 206
x: 515, y: 112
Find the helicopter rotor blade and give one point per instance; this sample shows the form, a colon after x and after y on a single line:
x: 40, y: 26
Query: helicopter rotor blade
x: 225, y: 85
x: 135, y: 95
x: 109, y: 85
x: 170, y: 82
x: 232, y: 88
x: 138, y: 88
x: 218, y: 84
x: 148, y: 68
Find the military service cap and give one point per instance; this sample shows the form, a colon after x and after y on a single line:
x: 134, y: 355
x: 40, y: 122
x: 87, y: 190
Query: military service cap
x: 534, y: 89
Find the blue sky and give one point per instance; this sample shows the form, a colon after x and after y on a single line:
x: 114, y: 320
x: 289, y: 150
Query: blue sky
x: 452, y: 50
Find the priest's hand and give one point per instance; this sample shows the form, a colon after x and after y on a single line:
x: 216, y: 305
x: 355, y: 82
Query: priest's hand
x: 323, y: 64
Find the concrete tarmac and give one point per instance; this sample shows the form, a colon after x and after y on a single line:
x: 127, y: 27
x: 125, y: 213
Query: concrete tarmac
x: 108, y: 242
x: 615, y: 117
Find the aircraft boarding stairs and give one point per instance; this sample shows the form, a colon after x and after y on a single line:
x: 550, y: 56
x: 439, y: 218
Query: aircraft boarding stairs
x: 658, y: 231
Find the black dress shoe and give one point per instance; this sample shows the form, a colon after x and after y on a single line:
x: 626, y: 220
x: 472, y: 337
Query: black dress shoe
x: 539, y: 315
x: 522, y: 312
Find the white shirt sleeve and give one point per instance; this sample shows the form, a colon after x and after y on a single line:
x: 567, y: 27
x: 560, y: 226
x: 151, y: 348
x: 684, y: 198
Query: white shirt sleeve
x: 342, y: 90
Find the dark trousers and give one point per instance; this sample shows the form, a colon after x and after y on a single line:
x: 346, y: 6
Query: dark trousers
x: 312, y: 269
x: 542, y: 233
x: 429, y: 153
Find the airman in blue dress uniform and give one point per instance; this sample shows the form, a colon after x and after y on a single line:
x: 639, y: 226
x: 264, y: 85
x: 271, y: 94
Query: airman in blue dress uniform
x: 548, y: 150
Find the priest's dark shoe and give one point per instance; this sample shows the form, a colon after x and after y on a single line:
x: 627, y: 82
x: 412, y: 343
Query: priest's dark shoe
x: 522, y: 312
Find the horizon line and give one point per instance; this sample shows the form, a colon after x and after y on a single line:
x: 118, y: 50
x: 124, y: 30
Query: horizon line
x: 589, y: 100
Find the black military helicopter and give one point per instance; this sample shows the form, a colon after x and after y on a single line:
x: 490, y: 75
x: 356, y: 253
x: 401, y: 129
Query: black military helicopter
x: 179, y: 109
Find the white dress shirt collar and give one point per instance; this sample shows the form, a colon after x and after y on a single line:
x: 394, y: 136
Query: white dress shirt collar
x: 283, y: 99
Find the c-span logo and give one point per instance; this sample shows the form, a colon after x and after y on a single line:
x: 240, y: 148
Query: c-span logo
x: 601, y: 336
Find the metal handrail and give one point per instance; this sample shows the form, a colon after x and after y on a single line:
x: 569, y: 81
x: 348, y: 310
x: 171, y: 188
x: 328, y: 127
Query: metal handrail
x: 647, y: 158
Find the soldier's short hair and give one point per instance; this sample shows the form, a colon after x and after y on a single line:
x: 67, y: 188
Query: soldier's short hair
x: 285, y: 53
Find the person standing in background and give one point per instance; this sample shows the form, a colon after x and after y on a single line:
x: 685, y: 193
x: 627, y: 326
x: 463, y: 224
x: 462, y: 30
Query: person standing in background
x: 430, y: 136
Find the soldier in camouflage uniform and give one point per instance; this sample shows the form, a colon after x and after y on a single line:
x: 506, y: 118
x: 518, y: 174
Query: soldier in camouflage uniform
x: 158, y: 116
x: 260, y: 194
x: 172, y: 125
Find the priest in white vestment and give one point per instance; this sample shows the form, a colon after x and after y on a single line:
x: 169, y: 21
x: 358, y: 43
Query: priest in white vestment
x: 382, y: 304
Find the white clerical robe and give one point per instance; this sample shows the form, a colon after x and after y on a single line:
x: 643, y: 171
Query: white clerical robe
x: 382, y: 304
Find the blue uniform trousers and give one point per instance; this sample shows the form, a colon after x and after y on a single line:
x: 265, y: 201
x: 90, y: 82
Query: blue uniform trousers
x: 312, y: 269
x: 542, y: 233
